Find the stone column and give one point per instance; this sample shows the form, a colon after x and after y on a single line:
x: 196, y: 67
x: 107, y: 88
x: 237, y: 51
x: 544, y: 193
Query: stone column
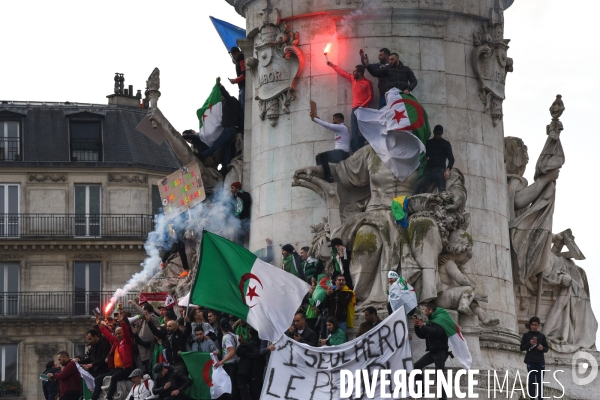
x: 457, y: 51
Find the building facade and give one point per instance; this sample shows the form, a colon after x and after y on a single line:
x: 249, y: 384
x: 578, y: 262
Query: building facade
x: 78, y: 195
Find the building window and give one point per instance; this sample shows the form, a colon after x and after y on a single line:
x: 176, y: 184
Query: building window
x: 86, y: 140
x: 86, y: 287
x: 8, y: 362
x: 156, y: 201
x: 87, y: 210
x: 9, y: 289
x: 10, y: 141
x: 9, y: 210
x: 79, y: 350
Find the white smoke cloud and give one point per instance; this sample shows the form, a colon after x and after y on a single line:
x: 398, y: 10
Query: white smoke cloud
x: 215, y: 214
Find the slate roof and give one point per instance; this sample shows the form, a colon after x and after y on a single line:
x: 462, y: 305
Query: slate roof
x: 45, y: 136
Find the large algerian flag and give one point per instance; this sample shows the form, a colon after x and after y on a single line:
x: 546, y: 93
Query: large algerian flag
x: 201, y: 371
x: 210, y: 116
x: 87, y: 382
x: 441, y: 317
x: 233, y: 280
x: 398, y: 132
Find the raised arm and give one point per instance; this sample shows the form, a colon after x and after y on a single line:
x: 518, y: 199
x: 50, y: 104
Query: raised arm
x: 377, y: 72
x: 342, y: 73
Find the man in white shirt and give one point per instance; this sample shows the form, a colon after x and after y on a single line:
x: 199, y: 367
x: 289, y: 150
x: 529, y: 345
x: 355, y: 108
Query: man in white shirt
x: 342, y: 143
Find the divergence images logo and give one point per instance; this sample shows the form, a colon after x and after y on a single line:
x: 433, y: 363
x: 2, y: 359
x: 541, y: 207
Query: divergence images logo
x: 584, y: 368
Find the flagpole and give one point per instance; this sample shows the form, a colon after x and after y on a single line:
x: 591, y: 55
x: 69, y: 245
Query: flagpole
x: 200, y: 254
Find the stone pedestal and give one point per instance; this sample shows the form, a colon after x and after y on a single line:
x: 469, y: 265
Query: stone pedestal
x: 457, y: 51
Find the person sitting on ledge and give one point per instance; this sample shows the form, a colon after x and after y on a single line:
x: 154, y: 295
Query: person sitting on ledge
x: 232, y: 122
x: 398, y: 75
x: 438, y: 150
x: 362, y: 94
x: 342, y: 143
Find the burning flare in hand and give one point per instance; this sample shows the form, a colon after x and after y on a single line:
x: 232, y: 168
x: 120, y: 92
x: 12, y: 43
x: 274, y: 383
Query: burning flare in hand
x: 109, y: 307
x: 326, y: 51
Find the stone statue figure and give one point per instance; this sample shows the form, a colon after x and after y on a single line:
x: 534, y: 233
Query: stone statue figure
x: 458, y: 291
x: 530, y: 210
x: 378, y: 243
x: 570, y: 325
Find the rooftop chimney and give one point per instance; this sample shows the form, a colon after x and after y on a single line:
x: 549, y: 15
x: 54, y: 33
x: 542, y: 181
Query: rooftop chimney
x: 122, y: 96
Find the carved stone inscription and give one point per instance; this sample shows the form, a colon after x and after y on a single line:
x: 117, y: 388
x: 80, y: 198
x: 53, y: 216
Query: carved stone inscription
x: 274, y: 69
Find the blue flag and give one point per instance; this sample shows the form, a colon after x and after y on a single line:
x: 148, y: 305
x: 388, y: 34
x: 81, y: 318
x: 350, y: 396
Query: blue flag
x: 229, y: 33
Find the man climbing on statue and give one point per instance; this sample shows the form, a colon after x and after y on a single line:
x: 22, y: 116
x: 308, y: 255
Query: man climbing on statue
x: 438, y: 151
x: 342, y: 143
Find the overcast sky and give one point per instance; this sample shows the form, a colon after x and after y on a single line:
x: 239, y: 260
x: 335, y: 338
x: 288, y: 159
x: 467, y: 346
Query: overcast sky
x: 70, y: 50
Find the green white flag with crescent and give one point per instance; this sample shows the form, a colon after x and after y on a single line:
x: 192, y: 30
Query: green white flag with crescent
x: 398, y: 132
x: 210, y: 116
x: 233, y: 280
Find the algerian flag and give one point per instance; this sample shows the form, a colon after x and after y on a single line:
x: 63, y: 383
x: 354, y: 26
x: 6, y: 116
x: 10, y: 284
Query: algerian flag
x: 201, y: 372
x: 402, y: 294
x: 398, y: 132
x: 88, y: 382
x: 233, y: 280
x: 210, y: 116
x: 441, y: 317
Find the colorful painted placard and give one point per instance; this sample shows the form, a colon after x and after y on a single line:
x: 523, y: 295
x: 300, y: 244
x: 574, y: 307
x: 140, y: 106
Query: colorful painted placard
x: 181, y: 190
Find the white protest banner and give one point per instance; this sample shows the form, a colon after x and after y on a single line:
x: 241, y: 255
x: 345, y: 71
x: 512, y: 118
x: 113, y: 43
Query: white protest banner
x: 298, y: 371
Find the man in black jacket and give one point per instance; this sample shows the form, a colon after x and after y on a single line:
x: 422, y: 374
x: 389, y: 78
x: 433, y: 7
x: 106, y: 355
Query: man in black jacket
x: 237, y: 56
x: 50, y: 387
x: 337, y: 300
x: 535, y: 344
x: 174, y: 341
x: 232, y: 122
x: 397, y: 74
x: 436, y: 343
x: 384, y: 56
x: 170, y: 383
x: 251, y: 366
x: 341, y: 258
x: 438, y: 150
x: 95, y: 358
x: 300, y: 332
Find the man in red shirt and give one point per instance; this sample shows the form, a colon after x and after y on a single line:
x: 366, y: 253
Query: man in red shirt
x: 362, y: 94
x: 120, y: 359
x: 69, y: 378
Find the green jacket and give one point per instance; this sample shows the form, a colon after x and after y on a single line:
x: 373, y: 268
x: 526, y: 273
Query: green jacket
x: 288, y: 265
x: 337, y: 337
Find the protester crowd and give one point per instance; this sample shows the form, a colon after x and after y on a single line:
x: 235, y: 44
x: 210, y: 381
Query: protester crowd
x: 145, y: 345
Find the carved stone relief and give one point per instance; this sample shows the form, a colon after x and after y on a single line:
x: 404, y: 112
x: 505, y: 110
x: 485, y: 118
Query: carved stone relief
x: 46, y: 351
x: 490, y: 62
x: 47, y: 178
x: 274, y: 70
x: 128, y: 179
x: 86, y: 256
x: 11, y: 257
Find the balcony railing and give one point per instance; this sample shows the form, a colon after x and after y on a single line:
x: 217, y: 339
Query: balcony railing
x: 75, y: 225
x: 10, y: 149
x: 78, y: 303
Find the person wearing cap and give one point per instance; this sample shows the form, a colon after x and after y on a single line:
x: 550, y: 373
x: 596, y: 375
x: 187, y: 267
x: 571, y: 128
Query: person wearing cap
x: 232, y: 122
x: 292, y: 262
x: 237, y: 56
x: 142, y: 386
x: 170, y: 383
x: 436, y: 172
x: 341, y: 258
x: 229, y: 360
